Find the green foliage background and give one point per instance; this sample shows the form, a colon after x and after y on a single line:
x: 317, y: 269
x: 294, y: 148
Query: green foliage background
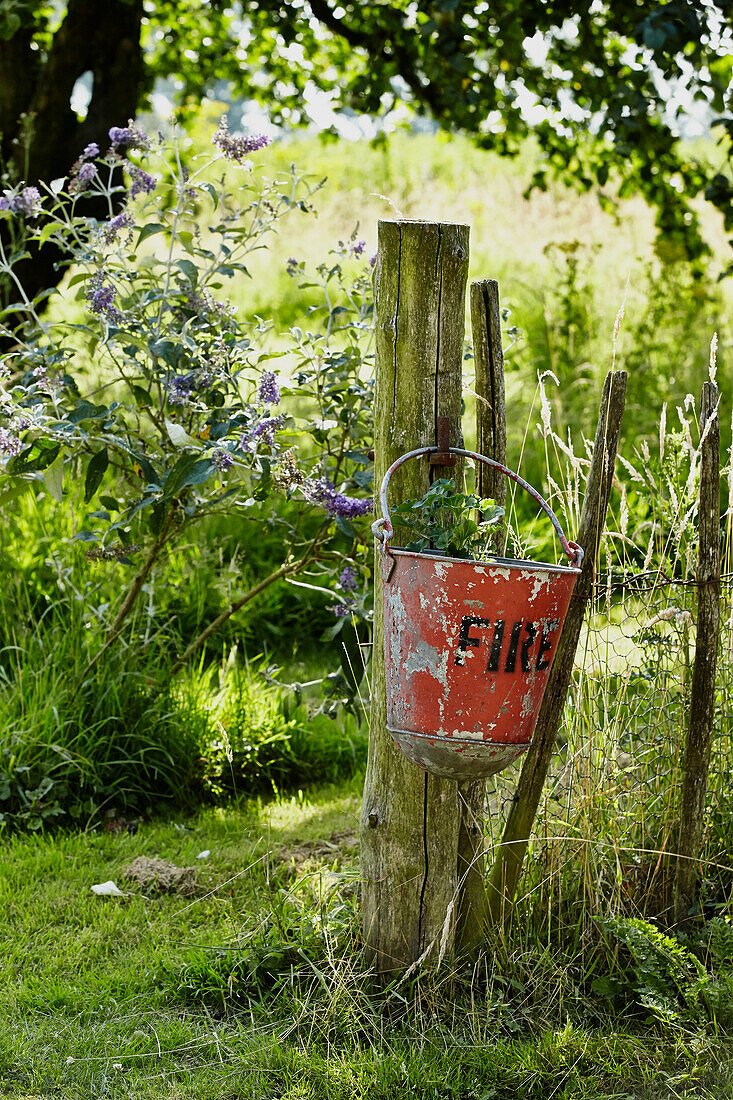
x: 566, y: 266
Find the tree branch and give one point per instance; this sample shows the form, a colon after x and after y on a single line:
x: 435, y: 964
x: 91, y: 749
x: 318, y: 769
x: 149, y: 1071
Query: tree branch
x: 284, y: 571
x: 134, y: 589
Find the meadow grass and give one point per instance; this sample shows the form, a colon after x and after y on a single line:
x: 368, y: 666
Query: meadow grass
x: 97, y: 999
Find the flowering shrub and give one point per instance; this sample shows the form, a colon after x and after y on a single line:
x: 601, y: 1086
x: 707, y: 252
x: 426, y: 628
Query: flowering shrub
x: 163, y: 398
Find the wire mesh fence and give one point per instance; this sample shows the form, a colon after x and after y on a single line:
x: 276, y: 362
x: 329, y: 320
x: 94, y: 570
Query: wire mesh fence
x: 607, y: 827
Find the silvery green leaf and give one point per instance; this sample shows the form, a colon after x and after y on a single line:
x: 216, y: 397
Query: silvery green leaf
x: 53, y: 478
x: 178, y: 435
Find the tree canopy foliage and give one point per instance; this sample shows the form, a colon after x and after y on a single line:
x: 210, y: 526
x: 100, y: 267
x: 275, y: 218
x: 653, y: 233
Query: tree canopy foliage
x: 607, y: 80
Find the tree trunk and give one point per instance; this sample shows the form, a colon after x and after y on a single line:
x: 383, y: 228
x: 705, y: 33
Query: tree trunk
x: 410, y: 819
x: 707, y: 636
x: 490, y: 441
x: 42, y: 92
x: 509, y: 860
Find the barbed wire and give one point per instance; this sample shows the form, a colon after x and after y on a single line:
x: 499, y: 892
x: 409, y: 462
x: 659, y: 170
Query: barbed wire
x: 634, y: 581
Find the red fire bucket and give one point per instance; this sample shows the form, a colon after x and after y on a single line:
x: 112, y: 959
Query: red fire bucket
x: 468, y: 645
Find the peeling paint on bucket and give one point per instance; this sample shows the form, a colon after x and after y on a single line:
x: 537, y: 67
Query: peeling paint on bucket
x: 468, y: 649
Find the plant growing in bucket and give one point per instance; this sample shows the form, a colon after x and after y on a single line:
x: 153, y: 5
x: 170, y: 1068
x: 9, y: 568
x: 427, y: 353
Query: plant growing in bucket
x: 469, y: 643
x: 443, y: 520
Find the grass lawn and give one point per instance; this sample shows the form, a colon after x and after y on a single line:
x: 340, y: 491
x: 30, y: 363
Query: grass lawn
x: 95, y: 1002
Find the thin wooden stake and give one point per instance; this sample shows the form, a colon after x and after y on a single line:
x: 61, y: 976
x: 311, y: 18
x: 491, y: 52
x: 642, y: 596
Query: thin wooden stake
x: 490, y: 441
x: 490, y: 399
x: 509, y: 860
x: 707, y: 637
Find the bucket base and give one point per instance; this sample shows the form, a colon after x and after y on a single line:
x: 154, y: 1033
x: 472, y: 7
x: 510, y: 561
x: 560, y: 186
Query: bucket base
x: 455, y: 757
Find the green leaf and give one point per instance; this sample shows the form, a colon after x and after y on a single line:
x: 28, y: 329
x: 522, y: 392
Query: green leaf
x: 95, y: 472
x: 70, y: 384
x: 332, y: 631
x: 190, y: 270
x: 13, y: 492
x: 147, y: 469
x: 45, y: 233
x: 142, y: 397
x: 418, y: 546
x: 86, y: 536
x: 85, y: 410
x: 178, y: 435
x: 9, y: 25
x: 54, y: 479
x: 345, y: 527
x: 364, y: 478
x: 38, y: 456
x: 166, y: 350
x: 149, y: 231
x: 157, y: 516
x: 213, y: 193
x: 189, y: 470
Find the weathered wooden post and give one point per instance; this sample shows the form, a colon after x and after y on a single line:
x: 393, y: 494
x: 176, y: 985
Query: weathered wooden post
x: 490, y: 441
x: 699, y: 740
x: 410, y: 819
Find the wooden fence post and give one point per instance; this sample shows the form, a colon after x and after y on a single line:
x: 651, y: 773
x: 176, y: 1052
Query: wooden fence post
x: 490, y: 441
x: 410, y: 819
x: 699, y: 739
x: 509, y: 860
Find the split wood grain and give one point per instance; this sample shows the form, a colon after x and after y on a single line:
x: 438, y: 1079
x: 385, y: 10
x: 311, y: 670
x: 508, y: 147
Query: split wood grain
x: 410, y: 819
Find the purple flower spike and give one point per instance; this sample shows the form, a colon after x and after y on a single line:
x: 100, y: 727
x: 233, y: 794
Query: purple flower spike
x: 26, y: 202
x: 336, y: 504
x: 142, y: 182
x: 100, y: 296
x: 221, y: 459
x: 9, y: 444
x: 268, y: 390
x: 114, y: 225
x: 81, y: 175
x: 348, y: 580
x: 341, y: 610
x: 237, y: 148
x: 179, y: 390
x: 90, y: 151
x: 264, y: 432
x: 128, y: 137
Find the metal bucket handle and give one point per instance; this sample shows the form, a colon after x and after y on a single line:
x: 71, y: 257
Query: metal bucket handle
x: 383, y: 530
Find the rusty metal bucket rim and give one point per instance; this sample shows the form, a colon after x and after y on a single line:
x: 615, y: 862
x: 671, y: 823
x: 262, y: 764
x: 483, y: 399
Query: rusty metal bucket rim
x: 491, y: 563
x: 383, y: 530
x: 461, y: 739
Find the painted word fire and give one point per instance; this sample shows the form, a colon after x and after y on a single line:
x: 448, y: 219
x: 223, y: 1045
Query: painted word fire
x: 519, y: 642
